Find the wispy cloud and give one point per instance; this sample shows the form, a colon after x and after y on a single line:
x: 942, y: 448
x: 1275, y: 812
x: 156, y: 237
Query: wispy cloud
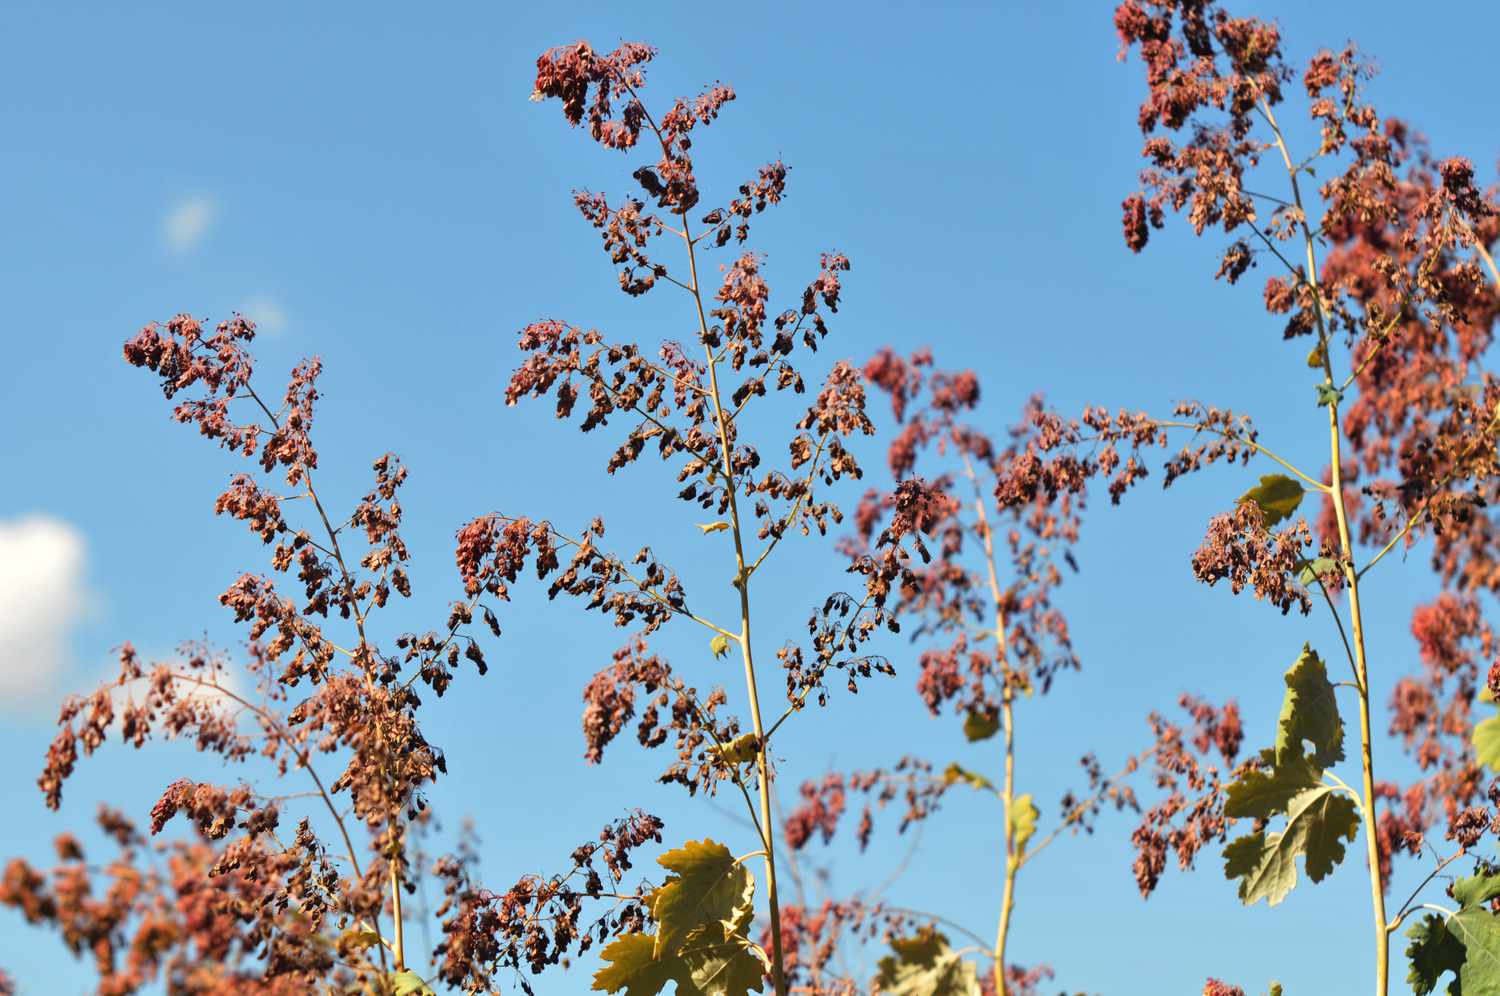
x: 187, y: 221
x: 42, y: 596
x: 266, y: 312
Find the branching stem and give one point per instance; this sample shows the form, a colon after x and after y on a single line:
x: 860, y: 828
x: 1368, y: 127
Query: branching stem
x: 1335, y: 490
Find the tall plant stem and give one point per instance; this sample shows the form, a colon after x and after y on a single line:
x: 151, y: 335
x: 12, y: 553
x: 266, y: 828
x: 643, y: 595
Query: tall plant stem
x: 1008, y: 791
x: 741, y: 575
x: 347, y: 580
x: 1351, y: 578
x: 742, y: 583
x: 1367, y: 761
x: 398, y: 943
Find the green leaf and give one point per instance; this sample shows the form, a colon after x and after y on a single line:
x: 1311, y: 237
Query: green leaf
x: 1329, y: 395
x: 1260, y: 794
x: 978, y: 726
x: 715, y: 966
x: 712, y: 527
x: 1478, y: 930
x: 1316, y: 568
x: 739, y: 750
x: 632, y: 967
x: 1466, y: 943
x: 1487, y: 743
x: 719, y: 645
x: 409, y: 983
x: 1309, y: 712
x: 708, y: 888
x: 1023, y: 814
x: 1277, y: 496
x: 956, y: 772
x: 1319, y: 820
x: 1476, y: 890
x: 1433, y: 951
x: 924, y: 965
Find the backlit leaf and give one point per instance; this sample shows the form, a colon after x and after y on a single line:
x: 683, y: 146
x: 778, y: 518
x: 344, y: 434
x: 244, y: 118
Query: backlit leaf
x: 1314, y: 569
x: 1476, y: 890
x: 715, y: 966
x: 712, y: 527
x: 1487, y: 743
x: 719, y: 645
x: 1309, y: 712
x: 632, y: 967
x: 409, y: 983
x: 1318, y: 822
x: 924, y: 965
x: 357, y: 940
x: 739, y: 750
x: 708, y: 888
x: 956, y: 772
x: 1260, y: 794
x: 1277, y: 496
x: 1023, y: 814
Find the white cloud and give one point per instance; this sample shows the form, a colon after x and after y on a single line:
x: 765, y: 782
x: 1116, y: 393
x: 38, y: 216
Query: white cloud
x: 267, y: 314
x: 42, y: 596
x: 188, y: 220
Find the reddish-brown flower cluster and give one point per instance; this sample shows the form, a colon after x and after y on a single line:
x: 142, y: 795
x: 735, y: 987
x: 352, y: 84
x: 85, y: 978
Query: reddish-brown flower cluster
x: 1407, y: 286
x: 1213, y: 987
x: 911, y: 781
x: 248, y: 917
x: 1191, y: 816
x: 539, y: 921
x: 235, y: 909
x: 1239, y: 549
x: 610, y: 703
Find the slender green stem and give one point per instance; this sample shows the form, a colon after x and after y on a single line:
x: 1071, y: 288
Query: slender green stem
x: 742, y: 583
x: 1013, y: 858
x: 1356, y: 621
x: 1308, y: 479
x: 1395, y: 923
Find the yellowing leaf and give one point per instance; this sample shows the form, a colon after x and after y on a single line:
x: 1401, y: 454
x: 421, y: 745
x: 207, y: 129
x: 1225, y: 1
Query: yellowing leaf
x: 1023, y: 815
x: 978, y: 726
x: 1317, y: 356
x: 739, y: 750
x: 708, y: 888
x: 409, y: 983
x: 356, y: 940
x: 712, y: 527
x: 956, y: 772
x: 632, y: 967
x: 713, y: 965
x: 719, y: 645
x: 1277, y: 497
x: 1487, y: 743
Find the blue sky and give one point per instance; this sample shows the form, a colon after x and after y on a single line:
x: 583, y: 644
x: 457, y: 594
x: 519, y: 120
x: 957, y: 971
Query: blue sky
x: 371, y: 183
